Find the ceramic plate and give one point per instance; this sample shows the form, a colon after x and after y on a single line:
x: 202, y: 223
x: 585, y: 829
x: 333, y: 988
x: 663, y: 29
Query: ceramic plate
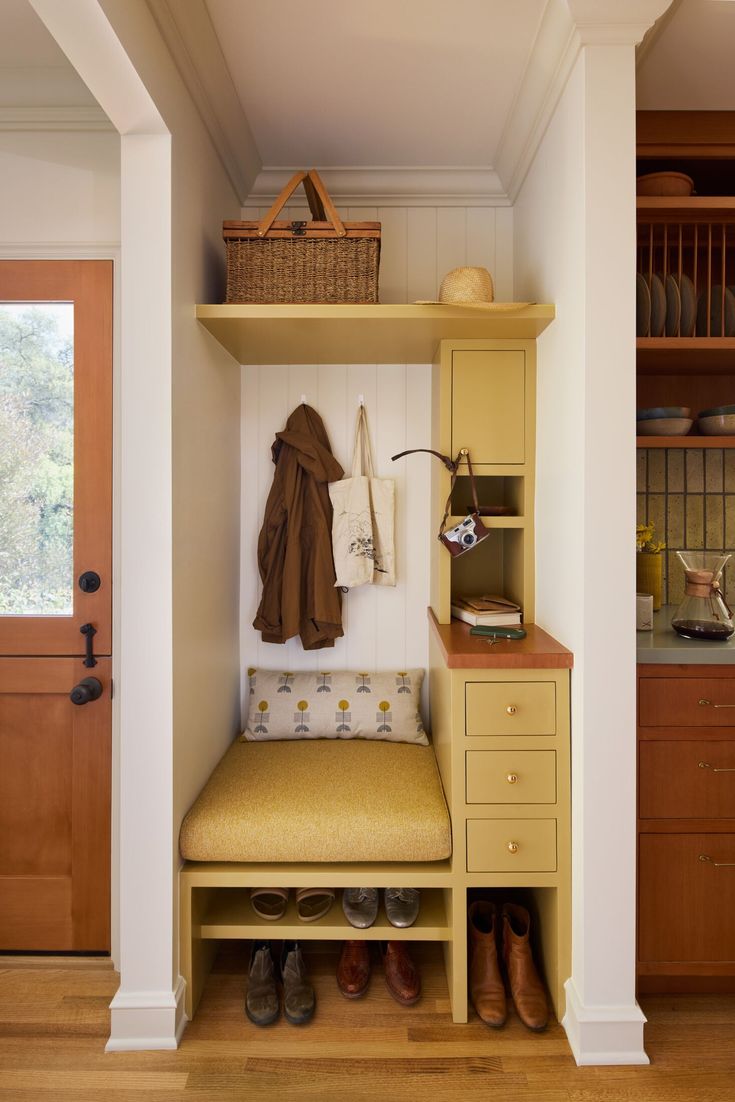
x: 642, y: 307
x: 715, y: 313
x: 658, y: 306
x: 673, y: 306
x: 688, y: 307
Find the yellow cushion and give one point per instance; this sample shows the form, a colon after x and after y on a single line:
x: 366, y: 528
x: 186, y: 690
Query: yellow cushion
x: 320, y: 801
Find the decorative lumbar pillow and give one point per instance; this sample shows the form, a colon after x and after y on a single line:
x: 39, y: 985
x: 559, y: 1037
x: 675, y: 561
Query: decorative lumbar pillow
x: 310, y: 705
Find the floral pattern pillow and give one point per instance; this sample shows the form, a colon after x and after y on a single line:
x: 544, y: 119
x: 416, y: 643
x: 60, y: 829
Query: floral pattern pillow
x: 307, y: 705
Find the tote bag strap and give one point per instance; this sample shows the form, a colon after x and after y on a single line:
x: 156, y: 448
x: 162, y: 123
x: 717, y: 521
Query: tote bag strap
x: 362, y: 456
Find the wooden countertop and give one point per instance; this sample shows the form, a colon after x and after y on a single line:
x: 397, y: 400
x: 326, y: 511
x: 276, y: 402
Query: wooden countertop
x: 463, y: 651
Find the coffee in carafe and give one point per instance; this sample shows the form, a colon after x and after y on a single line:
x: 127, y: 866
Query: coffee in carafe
x: 704, y: 613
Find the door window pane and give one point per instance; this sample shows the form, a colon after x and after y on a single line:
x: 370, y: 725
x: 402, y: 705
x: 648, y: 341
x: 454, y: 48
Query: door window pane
x: 36, y: 458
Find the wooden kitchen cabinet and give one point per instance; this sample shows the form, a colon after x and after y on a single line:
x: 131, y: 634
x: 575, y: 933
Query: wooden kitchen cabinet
x: 686, y: 828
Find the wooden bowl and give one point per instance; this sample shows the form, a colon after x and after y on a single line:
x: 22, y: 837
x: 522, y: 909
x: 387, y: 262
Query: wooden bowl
x: 664, y: 183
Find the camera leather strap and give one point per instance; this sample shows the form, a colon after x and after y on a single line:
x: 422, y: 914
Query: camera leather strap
x: 463, y: 454
x: 448, y: 463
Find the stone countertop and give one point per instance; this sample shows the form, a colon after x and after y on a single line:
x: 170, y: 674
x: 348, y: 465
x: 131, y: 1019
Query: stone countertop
x: 664, y: 645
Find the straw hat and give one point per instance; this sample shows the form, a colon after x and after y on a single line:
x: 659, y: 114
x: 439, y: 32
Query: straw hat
x: 469, y: 287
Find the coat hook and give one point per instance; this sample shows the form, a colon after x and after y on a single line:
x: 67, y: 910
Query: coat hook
x: 361, y: 399
x: 303, y: 399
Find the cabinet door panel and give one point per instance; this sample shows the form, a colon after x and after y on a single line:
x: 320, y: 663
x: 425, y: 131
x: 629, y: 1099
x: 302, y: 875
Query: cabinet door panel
x: 488, y: 405
x: 686, y: 904
x: 687, y: 780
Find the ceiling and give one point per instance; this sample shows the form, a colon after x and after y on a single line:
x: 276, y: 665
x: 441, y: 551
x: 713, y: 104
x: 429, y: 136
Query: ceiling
x: 377, y: 82
x: 690, y: 62
x: 33, y: 70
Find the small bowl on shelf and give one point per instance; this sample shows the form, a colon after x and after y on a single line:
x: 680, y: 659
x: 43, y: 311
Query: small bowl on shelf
x: 718, y: 424
x: 665, y: 426
x: 664, y: 183
x: 716, y: 411
x: 657, y: 413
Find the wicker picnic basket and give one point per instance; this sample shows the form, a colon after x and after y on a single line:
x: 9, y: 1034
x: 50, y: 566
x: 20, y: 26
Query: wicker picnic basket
x: 325, y: 260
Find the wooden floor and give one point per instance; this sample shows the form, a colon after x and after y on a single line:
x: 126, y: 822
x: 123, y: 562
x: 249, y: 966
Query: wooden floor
x: 54, y: 1024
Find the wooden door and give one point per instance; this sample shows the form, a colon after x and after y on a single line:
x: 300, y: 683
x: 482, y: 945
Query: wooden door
x: 55, y: 603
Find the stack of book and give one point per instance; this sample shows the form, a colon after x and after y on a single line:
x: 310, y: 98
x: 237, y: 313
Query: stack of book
x: 488, y: 610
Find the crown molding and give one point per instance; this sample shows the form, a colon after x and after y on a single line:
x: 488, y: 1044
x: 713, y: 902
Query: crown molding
x: 389, y: 186
x: 54, y: 118
x: 193, y: 44
x: 566, y: 27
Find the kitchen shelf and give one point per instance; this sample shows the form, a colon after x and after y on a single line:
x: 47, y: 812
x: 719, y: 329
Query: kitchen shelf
x: 686, y: 355
x: 685, y: 441
x: 340, y: 334
x: 682, y: 208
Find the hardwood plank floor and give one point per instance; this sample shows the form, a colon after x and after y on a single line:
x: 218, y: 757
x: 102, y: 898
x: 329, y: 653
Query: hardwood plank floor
x: 54, y: 1023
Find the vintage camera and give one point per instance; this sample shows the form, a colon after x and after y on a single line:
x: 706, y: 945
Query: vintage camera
x: 465, y: 536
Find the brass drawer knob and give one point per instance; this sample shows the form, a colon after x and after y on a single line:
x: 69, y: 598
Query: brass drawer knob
x: 512, y: 778
x: 512, y: 847
x: 511, y: 709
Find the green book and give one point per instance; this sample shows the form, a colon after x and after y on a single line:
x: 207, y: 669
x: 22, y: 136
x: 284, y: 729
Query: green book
x: 499, y: 632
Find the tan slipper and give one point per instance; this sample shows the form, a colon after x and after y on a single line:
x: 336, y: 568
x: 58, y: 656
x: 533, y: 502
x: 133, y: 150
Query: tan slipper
x: 269, y: 903
x: 314, y: 903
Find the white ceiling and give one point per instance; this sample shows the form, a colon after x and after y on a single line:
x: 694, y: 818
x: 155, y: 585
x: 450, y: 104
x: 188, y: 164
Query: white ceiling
x: 690, y: 63
x: 33, y: 70
x: 377, y: 82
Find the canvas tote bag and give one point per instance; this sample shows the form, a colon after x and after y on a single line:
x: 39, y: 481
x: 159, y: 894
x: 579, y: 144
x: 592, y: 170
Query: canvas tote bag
x: 363, y: 519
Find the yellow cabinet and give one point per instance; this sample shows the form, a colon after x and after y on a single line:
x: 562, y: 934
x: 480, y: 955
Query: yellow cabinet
x: 511, y: 845
x: 489, y: 405
x: 511, y: 776
x: 510, y: 708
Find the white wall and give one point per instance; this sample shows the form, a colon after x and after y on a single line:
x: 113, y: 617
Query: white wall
x: 383, y: 627
x: 59, y: 189
x: 574, y: 225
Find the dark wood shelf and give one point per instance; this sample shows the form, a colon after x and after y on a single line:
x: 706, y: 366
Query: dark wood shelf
x: 685, y: 355
x: 468, y: 652
x: 685, y: 441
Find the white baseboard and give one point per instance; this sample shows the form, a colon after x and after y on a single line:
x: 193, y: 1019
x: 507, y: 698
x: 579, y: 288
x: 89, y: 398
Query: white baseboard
x: 601, y: 1035
x: 146, y: 1020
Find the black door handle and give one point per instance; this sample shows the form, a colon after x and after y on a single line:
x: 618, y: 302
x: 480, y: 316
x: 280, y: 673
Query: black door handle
x: 89, y: 688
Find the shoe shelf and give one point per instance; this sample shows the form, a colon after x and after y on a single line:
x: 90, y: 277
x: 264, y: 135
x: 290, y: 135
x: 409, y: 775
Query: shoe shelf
x: 396, y: 874
x: 229, y: 914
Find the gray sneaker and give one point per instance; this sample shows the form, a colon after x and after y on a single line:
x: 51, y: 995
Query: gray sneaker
x: 360, y: 906
x: 402, y: 905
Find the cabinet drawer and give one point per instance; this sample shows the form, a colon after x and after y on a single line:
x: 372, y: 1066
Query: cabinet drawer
x: 511, y: 776
x: 511, y: 845
x: 488, y: 405
x: 510, y: 708
x: 682, y: 780
x: 687, y: 702
x: 685, y: 904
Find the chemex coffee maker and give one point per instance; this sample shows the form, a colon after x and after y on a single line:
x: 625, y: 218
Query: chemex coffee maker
x: 704, y: 613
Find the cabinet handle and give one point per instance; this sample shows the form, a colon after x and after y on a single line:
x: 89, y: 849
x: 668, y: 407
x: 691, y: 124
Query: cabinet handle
x: 512, y: 778
x: 716, y: 768
x: 711, y: 704
x: 512, y: 847
x: 511, y: 709
x: 717, y: 864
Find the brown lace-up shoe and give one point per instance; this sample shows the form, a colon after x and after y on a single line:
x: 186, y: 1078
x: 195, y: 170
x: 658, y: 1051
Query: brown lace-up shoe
x: 486, y: 984
x: 353, y: 970
x: 526, y: 988
x: 401, y: 974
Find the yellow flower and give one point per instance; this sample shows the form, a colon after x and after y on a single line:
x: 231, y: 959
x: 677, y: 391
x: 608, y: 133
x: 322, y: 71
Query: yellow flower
x: 263, y: 706
x: 645, y: 542
x: 344, y: 705
x: 384, y: 706
x: 302, y: 705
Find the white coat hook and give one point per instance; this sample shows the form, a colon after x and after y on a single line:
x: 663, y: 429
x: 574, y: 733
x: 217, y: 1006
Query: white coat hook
x: 303, y: 399
x: 361, y: 399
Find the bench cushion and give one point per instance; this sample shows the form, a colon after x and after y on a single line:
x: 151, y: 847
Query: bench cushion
x: 320, y: 801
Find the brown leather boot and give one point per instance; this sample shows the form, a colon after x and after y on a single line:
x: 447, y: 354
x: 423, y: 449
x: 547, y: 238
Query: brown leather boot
x: 526, y: 988
x: 401, y: 974
x: 486, y: 984
x: 353, y: 970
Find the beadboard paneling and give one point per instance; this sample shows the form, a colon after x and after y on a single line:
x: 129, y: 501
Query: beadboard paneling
x: 384, y: 627
x: 420, y: 244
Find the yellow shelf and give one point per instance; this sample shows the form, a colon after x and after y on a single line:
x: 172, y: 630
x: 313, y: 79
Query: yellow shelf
x: 230, y: 915
x: 491, y: 522
x: 326, y: 334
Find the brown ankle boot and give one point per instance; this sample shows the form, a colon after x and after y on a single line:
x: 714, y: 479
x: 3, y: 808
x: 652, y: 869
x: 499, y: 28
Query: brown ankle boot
x: 526, y: 988
x: 486, y: 984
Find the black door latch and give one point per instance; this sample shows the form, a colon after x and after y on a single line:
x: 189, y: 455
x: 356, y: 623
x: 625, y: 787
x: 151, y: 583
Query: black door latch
x: 89, y: 632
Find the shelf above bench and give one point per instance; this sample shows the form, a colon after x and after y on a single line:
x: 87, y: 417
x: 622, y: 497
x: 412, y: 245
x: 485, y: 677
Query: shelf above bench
x: 340, y: 334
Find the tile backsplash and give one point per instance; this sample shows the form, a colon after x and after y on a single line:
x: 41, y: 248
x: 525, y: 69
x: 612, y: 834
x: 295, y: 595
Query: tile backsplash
x: 689, y: 495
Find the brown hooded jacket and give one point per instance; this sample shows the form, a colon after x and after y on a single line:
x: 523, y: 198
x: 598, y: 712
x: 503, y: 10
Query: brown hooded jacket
x: 295, y: 542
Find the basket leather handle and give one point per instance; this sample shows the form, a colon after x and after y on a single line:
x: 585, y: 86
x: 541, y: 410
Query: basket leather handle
x: 321, y: 206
